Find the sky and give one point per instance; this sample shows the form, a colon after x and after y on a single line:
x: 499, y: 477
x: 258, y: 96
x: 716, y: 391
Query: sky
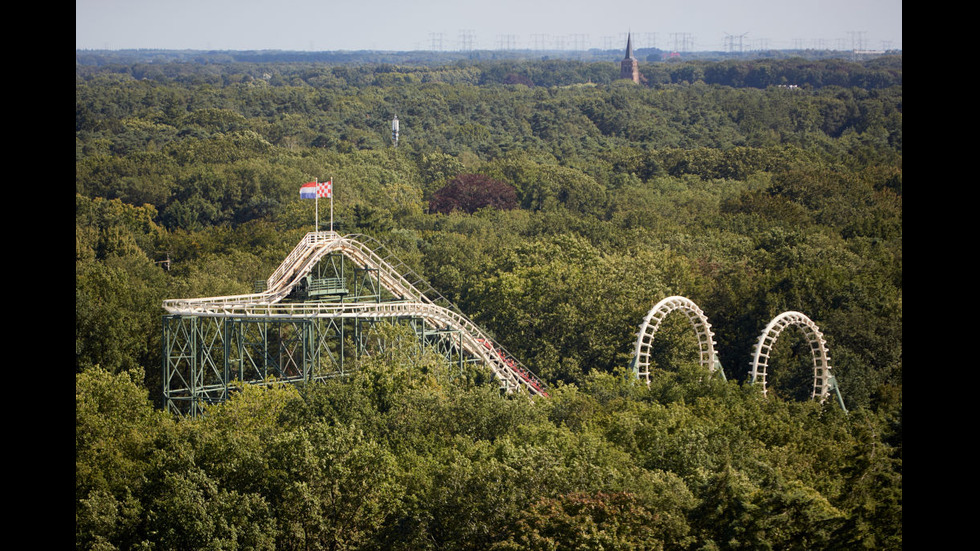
x: 452, y: 25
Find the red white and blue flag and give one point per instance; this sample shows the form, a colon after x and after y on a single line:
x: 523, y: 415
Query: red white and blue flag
x: 313, y: 190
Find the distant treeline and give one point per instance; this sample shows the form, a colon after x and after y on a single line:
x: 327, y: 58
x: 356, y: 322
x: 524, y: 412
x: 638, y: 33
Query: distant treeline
x: 485, y: 67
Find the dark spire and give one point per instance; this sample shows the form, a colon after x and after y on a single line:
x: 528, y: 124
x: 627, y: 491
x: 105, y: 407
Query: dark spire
x: 629, y: 46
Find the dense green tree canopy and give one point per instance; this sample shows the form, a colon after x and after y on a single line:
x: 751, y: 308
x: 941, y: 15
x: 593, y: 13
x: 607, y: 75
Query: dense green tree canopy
x: 750, y: 187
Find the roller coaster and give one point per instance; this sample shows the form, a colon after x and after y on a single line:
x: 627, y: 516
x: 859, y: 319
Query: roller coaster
x: 297, y: 327
x: 329, y: 292
x: 824, y: 381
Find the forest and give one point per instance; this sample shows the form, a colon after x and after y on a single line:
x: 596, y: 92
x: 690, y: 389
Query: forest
x: 554, y: 204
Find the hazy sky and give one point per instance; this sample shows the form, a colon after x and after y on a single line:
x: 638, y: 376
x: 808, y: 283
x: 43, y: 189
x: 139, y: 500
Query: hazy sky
x: 485, y: 24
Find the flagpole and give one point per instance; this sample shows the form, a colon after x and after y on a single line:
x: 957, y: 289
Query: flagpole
x: 316, y: 202
x: 331, y: 204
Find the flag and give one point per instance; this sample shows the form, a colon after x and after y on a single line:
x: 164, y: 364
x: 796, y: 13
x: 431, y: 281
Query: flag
x: 308, y: 191
x: 312, y: 190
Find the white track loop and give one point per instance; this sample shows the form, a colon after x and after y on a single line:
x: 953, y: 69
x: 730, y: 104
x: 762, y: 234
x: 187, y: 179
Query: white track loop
x: 651, y: 323
x: 304, y: 257
x: 822, y: 378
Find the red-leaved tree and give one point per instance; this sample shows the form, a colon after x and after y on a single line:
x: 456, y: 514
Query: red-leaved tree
x: 472, y: 192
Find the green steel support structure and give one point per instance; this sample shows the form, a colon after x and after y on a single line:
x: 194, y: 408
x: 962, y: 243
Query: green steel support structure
x: 206, y: 357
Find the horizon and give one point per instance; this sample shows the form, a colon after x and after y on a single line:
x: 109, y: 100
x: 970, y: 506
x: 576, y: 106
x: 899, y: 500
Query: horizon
x: 447, y: 26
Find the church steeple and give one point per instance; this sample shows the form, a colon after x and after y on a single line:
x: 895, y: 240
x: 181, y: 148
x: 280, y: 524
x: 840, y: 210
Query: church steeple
x: 629, y: 68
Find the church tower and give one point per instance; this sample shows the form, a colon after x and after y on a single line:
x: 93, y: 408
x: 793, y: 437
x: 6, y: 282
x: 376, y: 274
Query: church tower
x: 629, y: 68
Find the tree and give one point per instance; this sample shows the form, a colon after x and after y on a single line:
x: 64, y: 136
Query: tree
x: 581, y: 521
x: 472, y: 192
x: 118, y: 438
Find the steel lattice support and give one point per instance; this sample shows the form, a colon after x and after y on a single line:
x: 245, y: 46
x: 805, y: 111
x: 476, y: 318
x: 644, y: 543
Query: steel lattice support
x: 205, y: 356
x: 446, y: 342
x: 261, y: 349
x: 195, y: 362
x: 330, y: 341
